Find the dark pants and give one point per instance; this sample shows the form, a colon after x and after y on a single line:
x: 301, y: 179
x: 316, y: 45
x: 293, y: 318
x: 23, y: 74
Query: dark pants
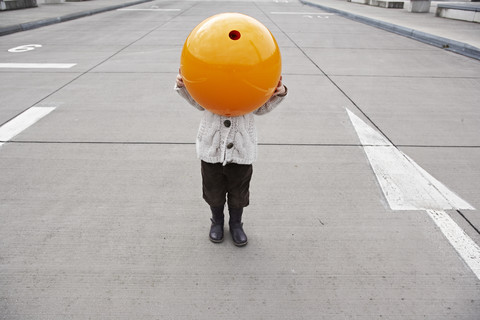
x: 231, y: 182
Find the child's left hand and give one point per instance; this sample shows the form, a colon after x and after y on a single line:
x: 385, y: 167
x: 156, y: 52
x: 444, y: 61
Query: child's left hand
x: 280, y: 89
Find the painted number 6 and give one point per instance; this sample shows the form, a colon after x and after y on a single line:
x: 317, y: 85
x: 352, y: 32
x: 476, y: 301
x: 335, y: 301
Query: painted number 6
x: 24, y: 48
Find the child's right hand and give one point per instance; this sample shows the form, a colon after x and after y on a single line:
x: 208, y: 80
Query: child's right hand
x: 180, y: 83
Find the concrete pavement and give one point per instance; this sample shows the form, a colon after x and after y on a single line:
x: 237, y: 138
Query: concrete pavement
x: 100, y: 199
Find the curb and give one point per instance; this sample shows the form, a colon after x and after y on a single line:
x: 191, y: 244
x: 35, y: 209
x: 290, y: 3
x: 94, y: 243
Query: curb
x: 45, y: 22
x: 440, y: 42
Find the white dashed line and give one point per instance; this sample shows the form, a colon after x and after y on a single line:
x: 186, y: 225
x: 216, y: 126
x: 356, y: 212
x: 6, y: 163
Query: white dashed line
x: 37, y: 65
x: 465, y: 246
x: 22, y: 122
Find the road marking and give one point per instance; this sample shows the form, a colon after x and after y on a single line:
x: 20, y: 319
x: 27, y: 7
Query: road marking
x: 465, y: 246
x: 154, y: 9
x: 24, y: 48
x: 407, y: 186
x: 37, y: 65
x: 22, y: 122
x: 306, y: 13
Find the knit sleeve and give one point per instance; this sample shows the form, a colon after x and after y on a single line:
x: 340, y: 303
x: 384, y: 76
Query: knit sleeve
x: 182, y: 91
x: 270, y: 104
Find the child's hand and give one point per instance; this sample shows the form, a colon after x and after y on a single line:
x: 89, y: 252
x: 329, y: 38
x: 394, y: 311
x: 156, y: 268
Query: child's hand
x: 180, y: 83
x: 280, y: 89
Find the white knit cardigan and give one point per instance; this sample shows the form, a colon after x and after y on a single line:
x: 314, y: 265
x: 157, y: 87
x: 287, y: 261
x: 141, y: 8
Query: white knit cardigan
x: 226, y: 140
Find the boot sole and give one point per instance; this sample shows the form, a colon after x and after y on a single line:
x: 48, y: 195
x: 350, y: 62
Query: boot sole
x: 216, y: 241
x: 240, y: 244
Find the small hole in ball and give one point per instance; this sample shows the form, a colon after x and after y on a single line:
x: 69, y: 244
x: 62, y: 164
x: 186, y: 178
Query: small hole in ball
x: 234, y: 35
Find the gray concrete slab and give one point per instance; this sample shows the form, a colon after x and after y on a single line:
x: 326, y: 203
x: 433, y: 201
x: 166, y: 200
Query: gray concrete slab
x: 77, y: 37
x: 151, y: 58
x: 165, y: 38
x: 396, y: 63
x: 314, y: 21
x: 373, y: 40
x: 294, y: 62
x: 214, y: 7
x: 14, y: 100
x: 100, y: 201
x: 185, y: 23
x: 106, y: 227
x: 303, y: 120
x: 103, y: 23
x: 117, y: 107
x: 441, y: 105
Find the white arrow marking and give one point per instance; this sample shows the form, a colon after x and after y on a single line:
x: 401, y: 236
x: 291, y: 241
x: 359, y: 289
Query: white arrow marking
x: 407, y: 186
x: 22, y: 122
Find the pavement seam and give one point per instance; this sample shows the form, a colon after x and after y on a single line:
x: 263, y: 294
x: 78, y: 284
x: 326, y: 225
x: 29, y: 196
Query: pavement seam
x: 72, y: 16
x: 274, y: 144
x: 468, y: 221
x: 437, y: 41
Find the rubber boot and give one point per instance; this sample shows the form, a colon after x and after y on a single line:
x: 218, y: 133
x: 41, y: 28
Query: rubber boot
x: 236, y: 227
x: 216, y: 229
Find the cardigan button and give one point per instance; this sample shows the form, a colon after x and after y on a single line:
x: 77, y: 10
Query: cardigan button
x: 230, y: 145
x: 227, y: 123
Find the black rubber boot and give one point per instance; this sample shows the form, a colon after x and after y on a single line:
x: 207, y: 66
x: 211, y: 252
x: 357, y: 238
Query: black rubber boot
x: 236, y: 227
x: 216, y: 230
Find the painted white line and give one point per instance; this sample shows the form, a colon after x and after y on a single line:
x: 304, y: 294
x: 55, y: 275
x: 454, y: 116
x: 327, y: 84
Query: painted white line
x: 307, y: 13
x: 465, y: 246
x: 166, y: 10
x: 404, y: 183
x: 22, y: 122
x: 37, y: 65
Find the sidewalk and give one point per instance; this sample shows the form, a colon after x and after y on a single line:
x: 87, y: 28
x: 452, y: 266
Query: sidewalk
x: 46, y: 14
x: 458, y: 36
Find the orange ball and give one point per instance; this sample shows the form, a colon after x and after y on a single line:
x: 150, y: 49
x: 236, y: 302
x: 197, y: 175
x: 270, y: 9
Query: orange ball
x: 231, y: 64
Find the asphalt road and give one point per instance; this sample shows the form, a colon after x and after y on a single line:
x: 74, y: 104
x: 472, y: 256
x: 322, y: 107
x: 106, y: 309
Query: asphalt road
x: 364, y: 197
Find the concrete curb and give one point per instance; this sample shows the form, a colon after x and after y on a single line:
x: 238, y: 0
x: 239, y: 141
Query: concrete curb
x: 440, y: 42
x: 45, y: 22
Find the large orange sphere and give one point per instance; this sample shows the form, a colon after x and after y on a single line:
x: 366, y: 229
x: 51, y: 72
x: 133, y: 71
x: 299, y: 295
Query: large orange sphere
x: 231, y: 64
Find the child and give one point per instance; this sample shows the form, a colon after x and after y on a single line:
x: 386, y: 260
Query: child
x: 227, y: 147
